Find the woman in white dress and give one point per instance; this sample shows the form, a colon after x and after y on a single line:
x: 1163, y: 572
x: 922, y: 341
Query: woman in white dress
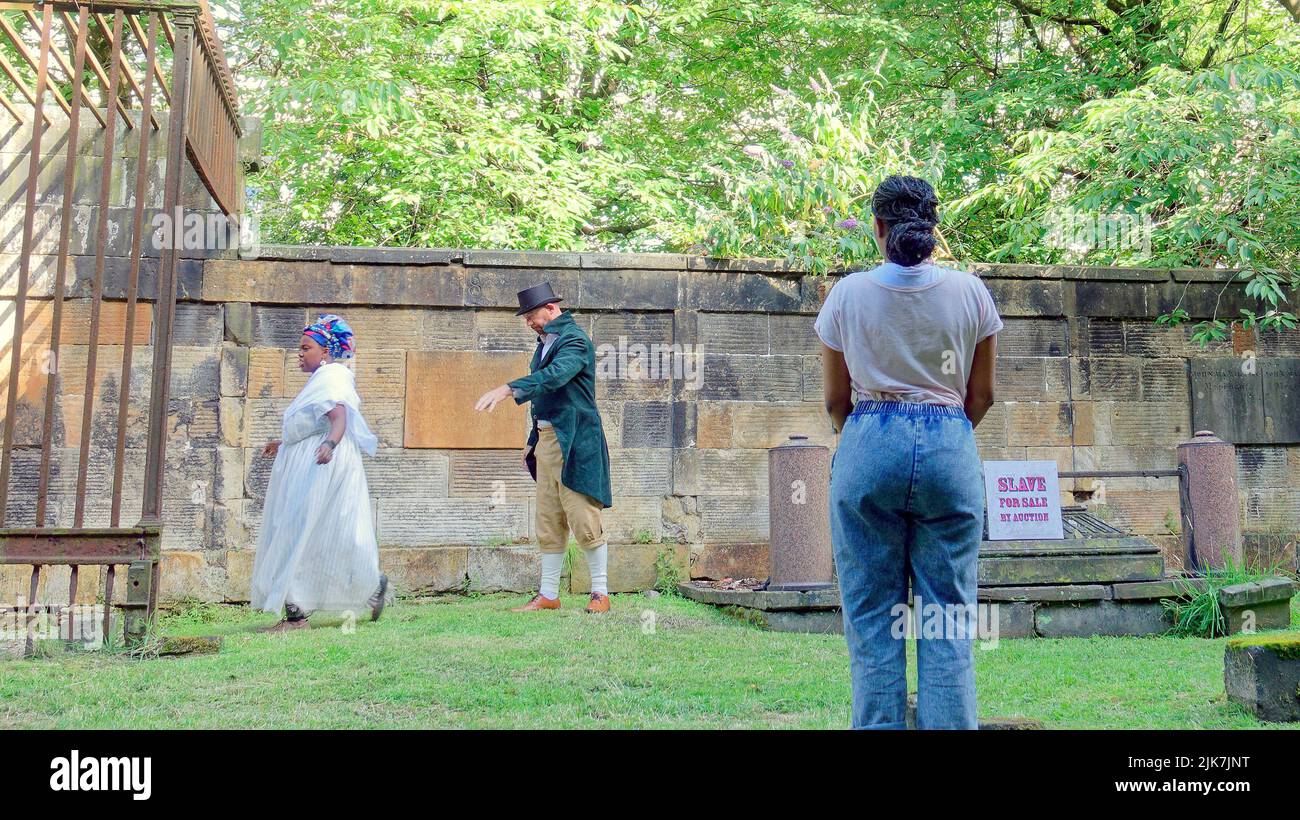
x: 317, y: 549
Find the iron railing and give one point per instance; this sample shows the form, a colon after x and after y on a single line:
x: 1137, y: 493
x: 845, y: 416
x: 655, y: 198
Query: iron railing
x: 161, y: 79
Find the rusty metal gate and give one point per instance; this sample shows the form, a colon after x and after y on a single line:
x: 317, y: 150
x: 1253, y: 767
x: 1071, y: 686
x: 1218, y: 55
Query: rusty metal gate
x: 95, y: 92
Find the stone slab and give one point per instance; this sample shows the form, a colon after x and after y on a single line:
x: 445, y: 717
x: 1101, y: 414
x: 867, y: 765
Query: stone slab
x: 1064, y: 592
x: 1100, y: 618
x: 1262, y: 674
x: 415, y: 571
x: 1257, y: 617
x: 1151, y: 590
x: 441, y: 388
x: 763, y: 600
x: 1069, y: 569
x: 1267, y: 590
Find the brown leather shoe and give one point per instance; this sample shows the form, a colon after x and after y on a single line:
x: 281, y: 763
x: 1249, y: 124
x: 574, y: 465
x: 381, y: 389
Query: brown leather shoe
x: 538, y: 602
x: 598, y: 603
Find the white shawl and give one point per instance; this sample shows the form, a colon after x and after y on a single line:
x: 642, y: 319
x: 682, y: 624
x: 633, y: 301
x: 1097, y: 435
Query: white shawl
x: 333, y: 384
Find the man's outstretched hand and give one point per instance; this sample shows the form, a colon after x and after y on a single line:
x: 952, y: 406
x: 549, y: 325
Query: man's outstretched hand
x: 489, y: 399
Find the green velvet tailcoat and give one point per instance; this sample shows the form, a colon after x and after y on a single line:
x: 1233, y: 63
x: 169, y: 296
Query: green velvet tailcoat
x: 562, y: 388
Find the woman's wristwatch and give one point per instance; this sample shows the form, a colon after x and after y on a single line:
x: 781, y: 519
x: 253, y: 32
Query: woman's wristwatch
x: 332, y: 444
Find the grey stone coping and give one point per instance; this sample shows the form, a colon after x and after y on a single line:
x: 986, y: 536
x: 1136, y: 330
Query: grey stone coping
x: 1061, y: 592
x: 489, y: 257
x: 765, y: 600
x: 1148, y: 590
x: 1126, y: 545
x: 1256, y: 592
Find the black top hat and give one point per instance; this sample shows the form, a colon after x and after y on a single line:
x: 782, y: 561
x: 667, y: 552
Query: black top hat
x: 536, y: 296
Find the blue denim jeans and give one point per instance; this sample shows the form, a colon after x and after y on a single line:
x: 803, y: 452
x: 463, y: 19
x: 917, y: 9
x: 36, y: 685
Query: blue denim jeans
x: 907, y: 501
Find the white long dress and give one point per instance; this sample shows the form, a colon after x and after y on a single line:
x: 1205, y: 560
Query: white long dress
x: 317, y: 547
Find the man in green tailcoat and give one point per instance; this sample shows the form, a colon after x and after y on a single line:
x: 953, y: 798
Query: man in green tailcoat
x: 566, y: 451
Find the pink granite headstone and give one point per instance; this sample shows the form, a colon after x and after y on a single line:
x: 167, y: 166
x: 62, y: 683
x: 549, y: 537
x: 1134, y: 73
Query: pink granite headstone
x: 798, y: 500
x: 1214, y: 534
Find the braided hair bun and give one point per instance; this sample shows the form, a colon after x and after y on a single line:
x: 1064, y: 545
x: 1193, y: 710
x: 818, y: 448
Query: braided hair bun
x: 910, y: 210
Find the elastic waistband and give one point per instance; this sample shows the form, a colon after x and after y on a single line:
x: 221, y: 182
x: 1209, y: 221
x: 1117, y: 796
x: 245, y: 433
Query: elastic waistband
x: 908, y: 408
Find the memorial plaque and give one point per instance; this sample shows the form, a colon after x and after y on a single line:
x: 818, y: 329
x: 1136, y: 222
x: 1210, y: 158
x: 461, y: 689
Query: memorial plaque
x: 1249, y: 400
x: 441, y: 388
x: 1281, y: 399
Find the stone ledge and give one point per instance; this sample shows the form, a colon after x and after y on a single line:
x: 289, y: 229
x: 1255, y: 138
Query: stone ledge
x: 1256, y: 592
x: 503, y: 257
x: 762, y: 599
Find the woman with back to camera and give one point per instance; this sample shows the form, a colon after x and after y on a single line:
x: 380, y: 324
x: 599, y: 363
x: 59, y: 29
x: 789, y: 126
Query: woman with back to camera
x: 915, y: 344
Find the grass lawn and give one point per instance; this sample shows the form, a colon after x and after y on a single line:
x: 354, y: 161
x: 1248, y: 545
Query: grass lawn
x: 468, y: 662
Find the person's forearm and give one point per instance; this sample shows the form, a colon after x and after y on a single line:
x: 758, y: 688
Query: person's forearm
x: 839, y: 412
x: 338, y: 423
x: 976, y: 407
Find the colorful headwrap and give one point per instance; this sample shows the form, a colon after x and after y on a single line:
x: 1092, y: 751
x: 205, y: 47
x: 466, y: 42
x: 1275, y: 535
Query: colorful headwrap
x: 333, y: 334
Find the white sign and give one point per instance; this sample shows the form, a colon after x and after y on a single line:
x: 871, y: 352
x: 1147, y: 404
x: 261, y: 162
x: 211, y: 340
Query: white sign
x: 1024, y: 499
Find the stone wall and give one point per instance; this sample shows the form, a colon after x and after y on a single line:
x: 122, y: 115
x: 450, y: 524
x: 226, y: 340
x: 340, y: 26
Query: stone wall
x: 1085, y: 378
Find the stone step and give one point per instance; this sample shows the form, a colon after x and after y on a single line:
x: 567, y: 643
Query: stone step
x: 1070, y: 569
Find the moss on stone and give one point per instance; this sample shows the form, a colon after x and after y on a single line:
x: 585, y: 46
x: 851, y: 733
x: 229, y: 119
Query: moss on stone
x: 1285, y: 645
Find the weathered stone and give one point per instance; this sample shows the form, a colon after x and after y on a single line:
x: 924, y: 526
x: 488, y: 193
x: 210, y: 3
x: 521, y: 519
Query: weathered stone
x: 615, y: 289
x: 763, y: 599
x: 234, y: 370
x: 1014, y: 620
x: 266, y: 368
x: 634, y: 518
x: 442, y: 387
x: 239, y: 574
x: 417, y: 571
x: 1152, y: 590
x: 734, y: 472
x: 794, y: 334
x: 499, y: 330
x: 752, y: 378
x: 1262, y: 674
x: 426, y: 522
x: 1066, y: 592
x: 504, y: 569
x: 1032, y: 337
x: 232, y: 421
x: 1036, y: 378
x: 647, y: 424
x: 815, y: 622
x: 198, y: 325
x: 1100, y: 618
x: 1068, y: 569
x: 490, y: 474
x: 642, y: 472
x: 734, y: 333
x: 631, y: 567
x: 742, y: 292
x: 381, y: 374
x: 278, y: 327
x: 402, y: 473
x: 717, y: 561
x: 733, y: 518
x: 1039, y: 423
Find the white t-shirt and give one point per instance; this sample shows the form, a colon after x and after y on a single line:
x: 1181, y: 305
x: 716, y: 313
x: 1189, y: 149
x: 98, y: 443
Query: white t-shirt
x: 908, y: 333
